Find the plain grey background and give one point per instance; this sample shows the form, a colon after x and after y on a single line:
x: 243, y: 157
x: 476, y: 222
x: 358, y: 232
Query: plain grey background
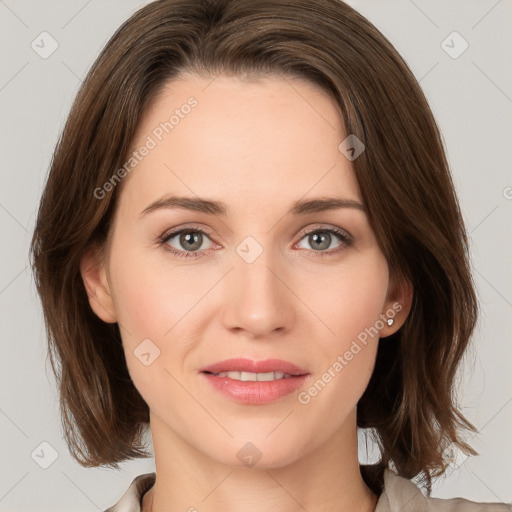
x: 470, y: 93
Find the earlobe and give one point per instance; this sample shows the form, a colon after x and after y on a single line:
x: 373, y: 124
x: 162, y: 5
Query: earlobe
x: 92, y: 270
x: 397, y: 307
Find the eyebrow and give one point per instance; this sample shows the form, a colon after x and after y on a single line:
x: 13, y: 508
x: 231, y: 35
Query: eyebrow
x: 212, y: 207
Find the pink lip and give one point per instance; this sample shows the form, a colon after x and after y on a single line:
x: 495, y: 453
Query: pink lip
x: 249, y: 365
x: 254, y: 392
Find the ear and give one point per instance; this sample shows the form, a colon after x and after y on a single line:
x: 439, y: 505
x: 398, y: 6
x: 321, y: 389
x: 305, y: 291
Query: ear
x: 94, y: 276
x: 397, y: 306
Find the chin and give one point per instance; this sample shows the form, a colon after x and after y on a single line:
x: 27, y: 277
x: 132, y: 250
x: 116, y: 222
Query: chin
x: 256, y: 451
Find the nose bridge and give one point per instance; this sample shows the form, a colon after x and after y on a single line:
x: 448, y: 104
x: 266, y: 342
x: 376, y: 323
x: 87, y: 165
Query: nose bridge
x: 252, y: 267
x: 258, y: 301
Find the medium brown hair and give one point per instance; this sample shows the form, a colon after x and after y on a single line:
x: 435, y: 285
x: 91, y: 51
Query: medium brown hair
x: 404, y: 180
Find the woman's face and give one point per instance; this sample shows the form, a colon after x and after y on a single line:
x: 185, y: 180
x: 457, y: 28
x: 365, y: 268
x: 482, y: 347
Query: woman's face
x: 250, y: 282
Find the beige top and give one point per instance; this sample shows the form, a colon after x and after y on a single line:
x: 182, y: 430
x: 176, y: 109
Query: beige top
x: 398, y: 495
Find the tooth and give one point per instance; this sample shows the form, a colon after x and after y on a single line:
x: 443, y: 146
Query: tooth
x: 262, y: 377
x: 253, y: 377
x: 248, y: 376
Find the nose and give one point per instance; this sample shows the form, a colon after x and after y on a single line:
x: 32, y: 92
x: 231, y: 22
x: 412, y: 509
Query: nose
x: 259, y: 299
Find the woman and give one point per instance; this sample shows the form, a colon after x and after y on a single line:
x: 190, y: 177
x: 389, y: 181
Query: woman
x: 249, y: 242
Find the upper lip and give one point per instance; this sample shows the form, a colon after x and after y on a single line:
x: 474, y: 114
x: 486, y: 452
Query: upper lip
x: 252, y: 366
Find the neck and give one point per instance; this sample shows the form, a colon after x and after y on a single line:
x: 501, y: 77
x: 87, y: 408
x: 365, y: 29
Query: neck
x: 325, y: 478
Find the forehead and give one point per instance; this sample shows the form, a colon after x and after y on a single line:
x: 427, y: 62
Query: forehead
x: 240, y: 141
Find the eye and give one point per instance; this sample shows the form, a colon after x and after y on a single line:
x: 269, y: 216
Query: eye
x: 321, y: 239
x: 188, y: 241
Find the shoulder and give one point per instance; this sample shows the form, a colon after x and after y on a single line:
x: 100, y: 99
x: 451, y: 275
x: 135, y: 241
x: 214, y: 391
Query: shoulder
x: 130, y: 501
x: 401, y: 494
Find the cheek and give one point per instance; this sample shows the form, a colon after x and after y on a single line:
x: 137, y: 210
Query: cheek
x: 350, y: 298
x: 141, y: 299
x: 155, y: 300
x: 151, y: 296
x: 351, y: 304
x: 148, y: 305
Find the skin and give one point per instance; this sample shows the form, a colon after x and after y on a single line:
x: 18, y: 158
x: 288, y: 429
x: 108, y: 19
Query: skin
x: 257, y: 146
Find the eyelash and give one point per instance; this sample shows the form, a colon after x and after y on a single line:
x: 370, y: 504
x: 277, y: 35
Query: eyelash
x: 345, y: 240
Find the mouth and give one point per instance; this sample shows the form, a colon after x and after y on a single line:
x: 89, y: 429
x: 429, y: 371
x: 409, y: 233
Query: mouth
x: 255, y: 382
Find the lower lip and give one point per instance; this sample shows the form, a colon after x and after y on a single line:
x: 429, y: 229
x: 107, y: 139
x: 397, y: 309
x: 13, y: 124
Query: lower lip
x: 254, y: 392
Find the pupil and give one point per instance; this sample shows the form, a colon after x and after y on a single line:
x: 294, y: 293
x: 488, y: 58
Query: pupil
x: 321, y: 238
x: 192, y: 239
